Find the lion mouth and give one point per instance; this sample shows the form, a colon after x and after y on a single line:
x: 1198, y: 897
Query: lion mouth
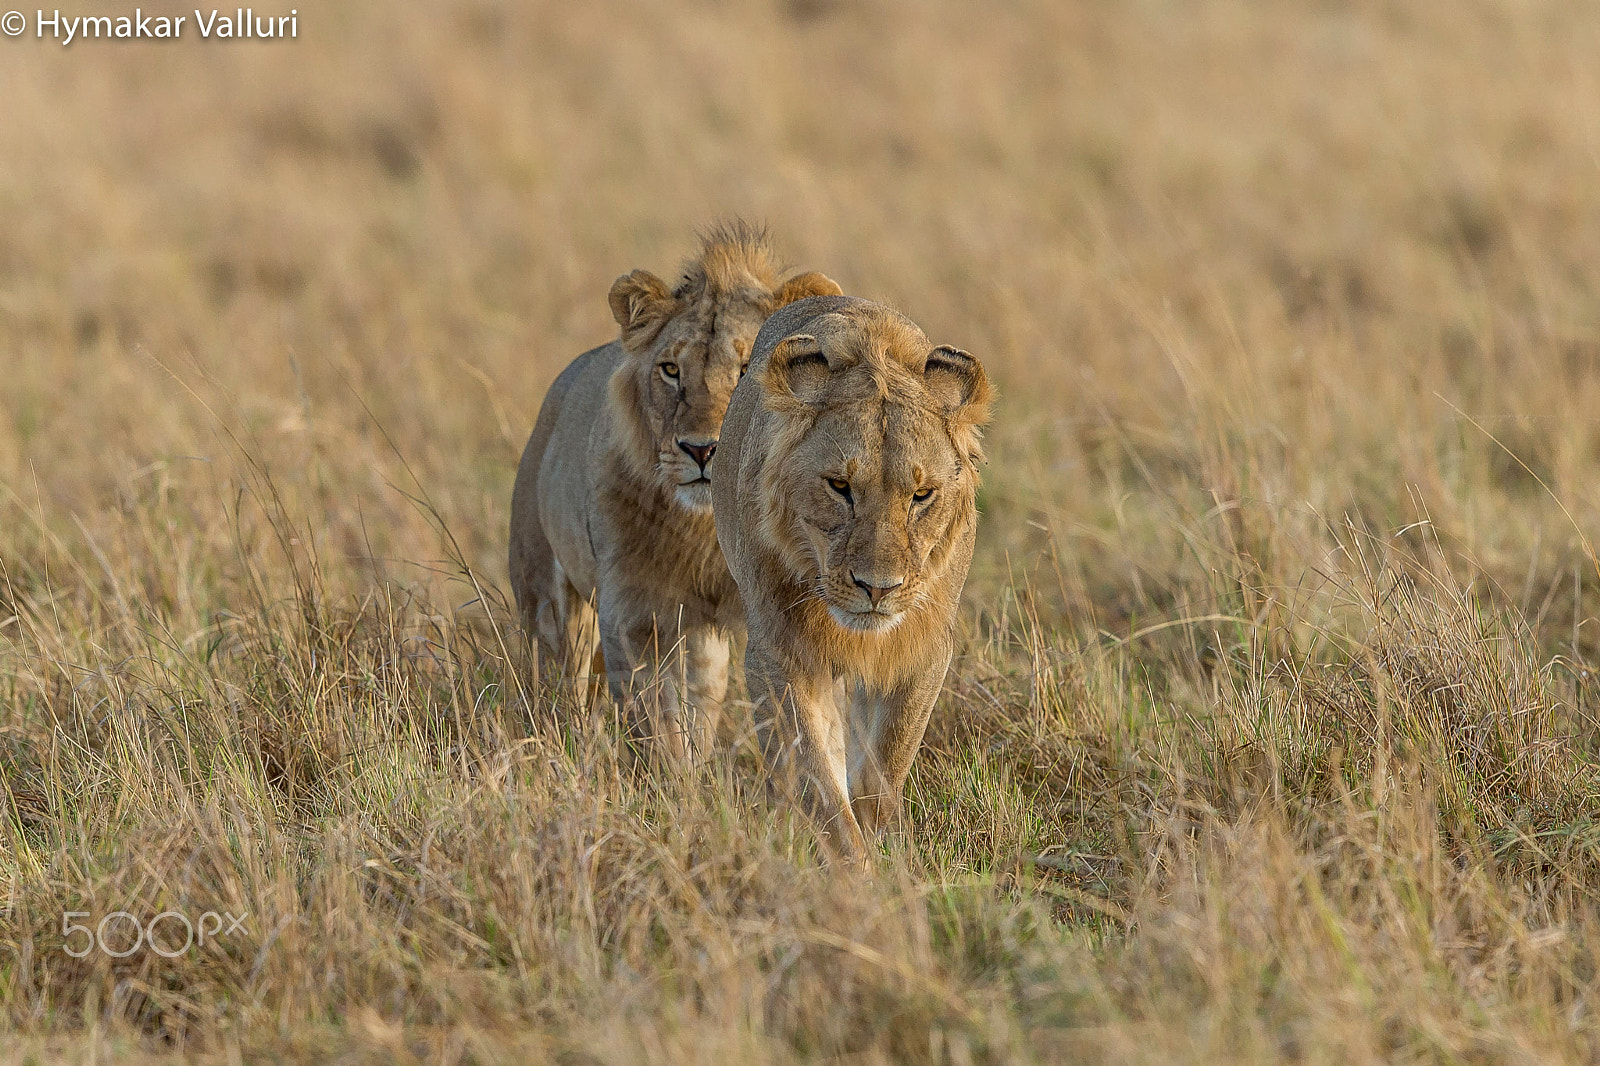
x: 694, y: 496
x: 866, y: 621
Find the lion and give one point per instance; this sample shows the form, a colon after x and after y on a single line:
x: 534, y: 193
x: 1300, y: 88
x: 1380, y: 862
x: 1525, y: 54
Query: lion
x: 613, y: 546
x: 846, y: 508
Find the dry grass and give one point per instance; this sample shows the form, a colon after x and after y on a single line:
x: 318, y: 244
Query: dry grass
x: 1274, y: 734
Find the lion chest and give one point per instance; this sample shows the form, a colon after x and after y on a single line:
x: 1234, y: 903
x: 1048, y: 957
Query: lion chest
x: 663, y: 557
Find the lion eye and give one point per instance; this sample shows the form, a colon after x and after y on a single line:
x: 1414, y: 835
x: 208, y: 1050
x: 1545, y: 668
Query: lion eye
x: 922, y: 495
x: 670, y: 371
x: 742, y: 368
x: 840, y: 485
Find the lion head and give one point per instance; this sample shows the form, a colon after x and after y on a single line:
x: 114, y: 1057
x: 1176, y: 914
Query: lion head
x: 687, y: 347
x: 871, y: 479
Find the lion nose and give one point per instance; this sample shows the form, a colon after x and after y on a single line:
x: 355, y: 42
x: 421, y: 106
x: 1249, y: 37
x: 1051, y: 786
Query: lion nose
x: 876, y: 589
x: 700, y: 453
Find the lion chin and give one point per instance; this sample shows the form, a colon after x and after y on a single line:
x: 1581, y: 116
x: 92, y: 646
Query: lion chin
x: 866, y: 621
x: 694, y: 497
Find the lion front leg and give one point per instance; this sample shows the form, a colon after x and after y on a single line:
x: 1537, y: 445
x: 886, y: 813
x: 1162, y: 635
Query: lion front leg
x: 705, y: 653
x: 632, y: 653
x: 677, y: 690
x: 668, y: 684
x: 801, y: 728
x: 886, y: 728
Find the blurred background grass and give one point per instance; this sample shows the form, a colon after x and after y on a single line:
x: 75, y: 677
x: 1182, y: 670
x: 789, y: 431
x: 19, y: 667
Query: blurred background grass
x: 1273, y: 739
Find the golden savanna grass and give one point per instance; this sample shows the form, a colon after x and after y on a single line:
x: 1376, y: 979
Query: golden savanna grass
x: 1272, y: 734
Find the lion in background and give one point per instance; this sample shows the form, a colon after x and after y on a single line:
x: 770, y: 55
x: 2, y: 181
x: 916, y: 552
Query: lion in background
x: 845, y: 504
x: 612, y: 539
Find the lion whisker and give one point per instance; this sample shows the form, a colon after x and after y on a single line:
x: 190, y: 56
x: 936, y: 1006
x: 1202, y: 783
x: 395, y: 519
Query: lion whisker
x: 804, y: 596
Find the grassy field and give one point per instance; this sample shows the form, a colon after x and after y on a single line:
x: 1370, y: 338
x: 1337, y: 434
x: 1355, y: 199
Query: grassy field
x: 1272, y: 736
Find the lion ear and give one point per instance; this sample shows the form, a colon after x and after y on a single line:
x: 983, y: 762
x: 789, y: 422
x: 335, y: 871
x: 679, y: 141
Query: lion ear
x: 797, y: 371
x: 958, y: 382
x: 641, y: 304
x: 800, y: 286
